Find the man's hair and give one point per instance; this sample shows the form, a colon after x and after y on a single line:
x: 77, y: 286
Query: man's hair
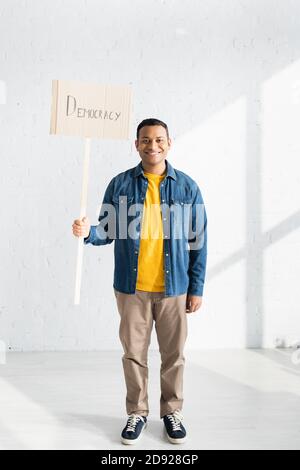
x: 151, y: 122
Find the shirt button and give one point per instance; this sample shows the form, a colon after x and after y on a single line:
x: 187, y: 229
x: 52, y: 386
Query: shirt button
x: 134, y: 269
x: 136, y: 252
x: 166, y: 236
x: 167, y: 272
x: 165, y: 218
x: 167, y: 254
x: 163, y: 200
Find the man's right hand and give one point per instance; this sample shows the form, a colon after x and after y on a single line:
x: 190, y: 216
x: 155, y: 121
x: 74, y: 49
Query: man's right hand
x: 81, y: 228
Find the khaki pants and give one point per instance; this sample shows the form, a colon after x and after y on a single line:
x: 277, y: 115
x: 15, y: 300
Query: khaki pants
x: 137, y: 312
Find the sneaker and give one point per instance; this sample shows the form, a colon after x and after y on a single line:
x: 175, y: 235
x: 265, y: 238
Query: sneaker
x: 133, y: 429
x: 175, y: 430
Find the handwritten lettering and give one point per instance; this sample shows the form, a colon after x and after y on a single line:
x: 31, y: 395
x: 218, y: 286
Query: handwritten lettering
x: 89, y: 113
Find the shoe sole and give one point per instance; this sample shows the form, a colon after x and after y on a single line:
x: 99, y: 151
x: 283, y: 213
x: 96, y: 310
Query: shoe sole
x: 182, y: 440
x: 130, y: 442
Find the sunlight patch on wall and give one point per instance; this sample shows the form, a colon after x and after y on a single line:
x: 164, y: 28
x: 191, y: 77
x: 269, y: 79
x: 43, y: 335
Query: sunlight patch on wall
x: 213, y: 154
x: 280, y: 146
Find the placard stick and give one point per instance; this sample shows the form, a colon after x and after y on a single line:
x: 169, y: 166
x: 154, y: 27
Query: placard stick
x: 83, y: 206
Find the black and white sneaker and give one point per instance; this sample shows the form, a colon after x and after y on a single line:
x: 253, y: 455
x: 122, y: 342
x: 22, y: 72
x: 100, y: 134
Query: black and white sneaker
x: 133, y: 429
x: 175, y: 430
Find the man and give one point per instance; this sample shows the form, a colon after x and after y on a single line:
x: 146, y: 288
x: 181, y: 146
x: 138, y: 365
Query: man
x: 158, y: 277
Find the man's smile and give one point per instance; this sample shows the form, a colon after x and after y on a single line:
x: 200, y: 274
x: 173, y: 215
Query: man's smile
x: 152, y: 154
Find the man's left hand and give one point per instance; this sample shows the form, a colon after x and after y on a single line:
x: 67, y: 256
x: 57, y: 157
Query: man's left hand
x: 193, y: 303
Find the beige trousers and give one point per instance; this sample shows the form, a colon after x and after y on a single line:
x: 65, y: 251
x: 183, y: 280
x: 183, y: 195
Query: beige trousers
x: 137, y: 312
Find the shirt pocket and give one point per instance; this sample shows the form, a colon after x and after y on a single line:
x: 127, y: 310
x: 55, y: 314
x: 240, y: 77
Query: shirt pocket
x: 122, y: 199
x: 180, y: 200
x: 122, y: 204
x: 180, y: 216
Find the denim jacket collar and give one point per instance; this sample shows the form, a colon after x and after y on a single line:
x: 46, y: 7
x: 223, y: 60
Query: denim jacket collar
x: 138, y: 170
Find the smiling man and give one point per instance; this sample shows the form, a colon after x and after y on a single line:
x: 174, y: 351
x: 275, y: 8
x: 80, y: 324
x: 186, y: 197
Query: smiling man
x: 158, y: 277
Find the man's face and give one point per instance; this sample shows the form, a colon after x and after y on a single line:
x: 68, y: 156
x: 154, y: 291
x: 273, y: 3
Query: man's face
x: 153, y: 144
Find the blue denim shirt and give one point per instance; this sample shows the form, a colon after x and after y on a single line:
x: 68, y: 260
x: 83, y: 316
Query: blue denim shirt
x: 184, y: 268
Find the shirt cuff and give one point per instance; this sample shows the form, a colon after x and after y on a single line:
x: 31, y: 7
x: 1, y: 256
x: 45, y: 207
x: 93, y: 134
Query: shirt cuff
x: 196, y: 291
x: 91, y: 236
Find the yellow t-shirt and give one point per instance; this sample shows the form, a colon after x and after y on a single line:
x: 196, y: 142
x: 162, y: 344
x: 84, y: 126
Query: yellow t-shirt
x: 151, y: 261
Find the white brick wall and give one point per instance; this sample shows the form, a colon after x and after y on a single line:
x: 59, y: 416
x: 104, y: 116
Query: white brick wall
x: 225, y: 76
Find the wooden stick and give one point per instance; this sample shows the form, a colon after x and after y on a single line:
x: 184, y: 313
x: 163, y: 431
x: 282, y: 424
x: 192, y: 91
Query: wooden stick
x: 83, y: 204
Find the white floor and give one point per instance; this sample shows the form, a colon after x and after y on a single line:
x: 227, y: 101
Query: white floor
x: 234, y: 399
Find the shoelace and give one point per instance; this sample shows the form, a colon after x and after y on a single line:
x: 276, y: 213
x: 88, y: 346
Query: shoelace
x: 175, y: 419
x: 132, y: 422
